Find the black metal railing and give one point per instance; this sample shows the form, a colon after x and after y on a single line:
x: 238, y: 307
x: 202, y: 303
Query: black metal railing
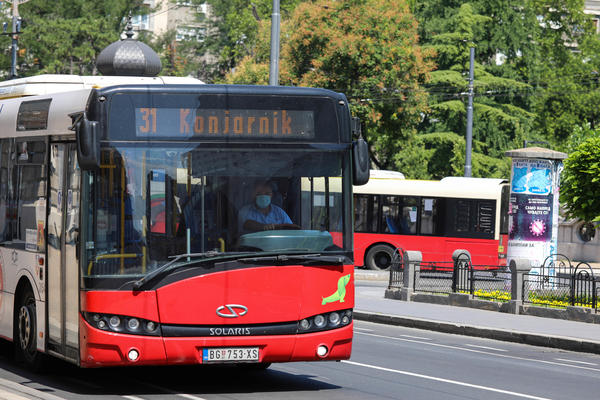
x: 556, y: 283
x: 561, y: 286
x: 435, y: 277
x: 397, y: 269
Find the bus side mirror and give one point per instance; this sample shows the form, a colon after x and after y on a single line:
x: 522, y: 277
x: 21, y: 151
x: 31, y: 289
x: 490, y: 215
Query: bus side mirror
x: 360, y: 162
x: 88, y: 147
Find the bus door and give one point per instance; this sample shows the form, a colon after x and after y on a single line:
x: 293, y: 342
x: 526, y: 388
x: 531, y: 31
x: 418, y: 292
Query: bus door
x: 63, y: 258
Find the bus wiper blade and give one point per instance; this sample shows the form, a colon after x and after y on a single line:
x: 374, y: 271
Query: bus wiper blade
x: 137, y: 285
x: 295, y: 257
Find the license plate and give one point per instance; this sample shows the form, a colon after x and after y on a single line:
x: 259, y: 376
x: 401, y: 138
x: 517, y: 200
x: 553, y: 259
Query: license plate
x: 225, y: 354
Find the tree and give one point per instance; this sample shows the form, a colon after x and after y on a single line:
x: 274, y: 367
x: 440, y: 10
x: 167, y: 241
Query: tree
x: 234, y: 30
x: 66, y: 36
x: 497, y: 124
x: 366, y: 49
x: 580, y: 181
x: 529, y: 81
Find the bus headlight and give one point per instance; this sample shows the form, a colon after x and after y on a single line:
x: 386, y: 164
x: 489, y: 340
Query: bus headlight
x: 334, y: 319
x: 122, y: 324
x: 321, y: 322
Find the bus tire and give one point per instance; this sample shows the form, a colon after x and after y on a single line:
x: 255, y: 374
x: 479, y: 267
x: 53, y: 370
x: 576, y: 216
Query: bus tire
x: 25, y: 331
x: 379, y: 257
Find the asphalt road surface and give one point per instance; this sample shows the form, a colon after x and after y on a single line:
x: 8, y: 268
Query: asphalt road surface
x: 388, y: 362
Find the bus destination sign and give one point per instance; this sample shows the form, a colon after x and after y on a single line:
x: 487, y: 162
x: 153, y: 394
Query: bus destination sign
x: 223, y: 123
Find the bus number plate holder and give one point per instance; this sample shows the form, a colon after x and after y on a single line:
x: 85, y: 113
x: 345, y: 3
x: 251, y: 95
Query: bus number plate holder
x: 229, y: 354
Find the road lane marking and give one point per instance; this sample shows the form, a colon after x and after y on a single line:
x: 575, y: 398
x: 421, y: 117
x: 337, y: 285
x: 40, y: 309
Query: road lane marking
x: 443, y: 380
x: 480, y: 351
x: 132, y: 397
x: 484, y: 347
x: 573, y: 361
x: 363, y: 329
x: 189, y: 396
x: 415, y: 337
x: 167, y: 390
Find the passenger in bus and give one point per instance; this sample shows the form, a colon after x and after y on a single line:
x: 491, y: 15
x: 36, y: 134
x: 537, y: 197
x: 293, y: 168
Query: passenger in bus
x: 262, y: 215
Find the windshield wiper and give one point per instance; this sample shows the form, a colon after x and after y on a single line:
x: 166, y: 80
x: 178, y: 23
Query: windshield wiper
x: 192, y: 258
x: 317, y: 257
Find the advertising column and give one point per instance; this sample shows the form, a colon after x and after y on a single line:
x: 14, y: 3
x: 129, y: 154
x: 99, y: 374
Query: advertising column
x: 533, y: 209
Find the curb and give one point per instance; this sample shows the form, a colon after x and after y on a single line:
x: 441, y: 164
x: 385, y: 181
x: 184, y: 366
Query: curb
x: 559, y: 342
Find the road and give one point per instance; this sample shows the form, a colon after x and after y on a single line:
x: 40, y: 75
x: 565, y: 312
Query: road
x: 388, y: 362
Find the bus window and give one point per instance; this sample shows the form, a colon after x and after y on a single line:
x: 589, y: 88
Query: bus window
x: 31, y: 157
x: 365, y: 213
x: 504, y: 200
x: 429, y: 213
x: 5, y: 209
x: 485, y: 217
x: 399, y: 214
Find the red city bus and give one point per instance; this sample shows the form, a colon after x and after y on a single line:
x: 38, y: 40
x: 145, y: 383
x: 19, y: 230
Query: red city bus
x: 122, y: 235
x: 433, y: 217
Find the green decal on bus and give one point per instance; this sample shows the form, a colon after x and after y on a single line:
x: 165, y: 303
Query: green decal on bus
x: 340, y: 293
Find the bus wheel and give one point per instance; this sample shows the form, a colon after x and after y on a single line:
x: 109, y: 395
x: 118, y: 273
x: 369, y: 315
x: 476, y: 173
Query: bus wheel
x: 25, y: 330
x: 379, y: 257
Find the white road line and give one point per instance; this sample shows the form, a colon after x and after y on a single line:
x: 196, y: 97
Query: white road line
x: 573, y: 361
x: 481, y: 352
x: 433, y: 378
x: 189, y: 396
x: 166, y: 390
x: 363, y: 329
x: 132, y: 397
x: 484, y: 347
x: 415, y: 337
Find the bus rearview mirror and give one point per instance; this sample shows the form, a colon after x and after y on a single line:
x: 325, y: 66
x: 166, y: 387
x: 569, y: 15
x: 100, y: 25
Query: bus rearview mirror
x: 360, y: 162
x: 88, y: 149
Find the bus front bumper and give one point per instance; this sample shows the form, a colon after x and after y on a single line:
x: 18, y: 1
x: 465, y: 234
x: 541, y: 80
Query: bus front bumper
x: 100, y: 348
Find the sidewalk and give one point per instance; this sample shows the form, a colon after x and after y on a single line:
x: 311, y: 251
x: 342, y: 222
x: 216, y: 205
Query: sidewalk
x: 568, y: 335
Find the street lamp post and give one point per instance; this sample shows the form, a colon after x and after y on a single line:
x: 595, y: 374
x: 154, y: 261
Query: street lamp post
x: 274, y: 70
x: 469, y: 138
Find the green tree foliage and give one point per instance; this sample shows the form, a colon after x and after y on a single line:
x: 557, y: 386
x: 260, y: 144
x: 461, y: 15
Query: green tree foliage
x: 580, y: 181
x: 530, y: 83
x: 66, y: 36
x: 497, y: 125
x: 366, y: 49
x: 234, y: 32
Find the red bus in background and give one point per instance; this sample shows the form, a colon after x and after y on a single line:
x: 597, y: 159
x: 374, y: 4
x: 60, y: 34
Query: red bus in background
x: 125, y: 245
x: 433, y: 217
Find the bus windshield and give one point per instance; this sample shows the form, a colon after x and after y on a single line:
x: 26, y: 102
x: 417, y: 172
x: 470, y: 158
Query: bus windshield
x: 148, y: 203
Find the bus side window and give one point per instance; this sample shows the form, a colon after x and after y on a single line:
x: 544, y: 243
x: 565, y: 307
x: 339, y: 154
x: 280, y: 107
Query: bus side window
x: 429, y: 213
x: 5, y: 213
x: 31, y: 157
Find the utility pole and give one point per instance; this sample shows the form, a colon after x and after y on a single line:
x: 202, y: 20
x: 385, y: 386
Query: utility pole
x: 470, y: 114
x: 14, y: 34
x: 15, y: 17
x: 274, y: 67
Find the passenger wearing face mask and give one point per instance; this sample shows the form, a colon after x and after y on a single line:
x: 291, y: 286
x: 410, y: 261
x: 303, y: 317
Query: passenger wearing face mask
x: 262, y: 215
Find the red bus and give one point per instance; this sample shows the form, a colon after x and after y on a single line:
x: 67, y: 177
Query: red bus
x: 433, y: 217
x: 121, y: 241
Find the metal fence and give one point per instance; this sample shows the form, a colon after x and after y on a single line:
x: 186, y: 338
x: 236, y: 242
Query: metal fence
x: 561, y: 287
x: 555, y: 283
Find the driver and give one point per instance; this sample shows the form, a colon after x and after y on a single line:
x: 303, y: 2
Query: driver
x: 262, y: 215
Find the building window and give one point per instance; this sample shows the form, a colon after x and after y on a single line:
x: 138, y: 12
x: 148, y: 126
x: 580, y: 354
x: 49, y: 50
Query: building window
x: 140, y: 22
x: 190, y: 33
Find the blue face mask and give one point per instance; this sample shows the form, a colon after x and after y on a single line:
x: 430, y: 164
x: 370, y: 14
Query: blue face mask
x: 263, y: 200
